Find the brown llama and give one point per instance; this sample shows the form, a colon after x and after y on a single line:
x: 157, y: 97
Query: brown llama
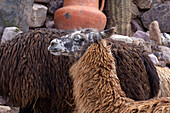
x: 164, y: 75
x: 96, y: 85
x: 97, y: 89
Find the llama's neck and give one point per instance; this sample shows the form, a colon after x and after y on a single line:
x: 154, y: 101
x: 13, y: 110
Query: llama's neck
x: 96, y: 86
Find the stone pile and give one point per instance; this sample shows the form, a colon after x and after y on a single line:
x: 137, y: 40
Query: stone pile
x: 151, y: 43
x: 46, y: 16
x: 150, y: 21
x: 28, y: 14
x: 15, y: 13
x: 146, y: 11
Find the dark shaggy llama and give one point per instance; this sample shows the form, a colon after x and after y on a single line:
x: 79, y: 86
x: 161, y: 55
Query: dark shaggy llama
x: 136, y: 72
x: 96, y: 86
x: 34, y: 79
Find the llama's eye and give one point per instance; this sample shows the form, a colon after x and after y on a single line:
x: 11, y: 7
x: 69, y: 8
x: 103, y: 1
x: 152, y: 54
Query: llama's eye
x: 78, y: 38
x: 52, y: 43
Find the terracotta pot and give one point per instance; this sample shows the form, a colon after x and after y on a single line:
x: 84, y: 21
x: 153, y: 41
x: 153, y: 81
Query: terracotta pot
x: 77, y: 14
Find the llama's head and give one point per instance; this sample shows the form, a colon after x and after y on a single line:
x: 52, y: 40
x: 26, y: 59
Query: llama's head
x: 74, y: 44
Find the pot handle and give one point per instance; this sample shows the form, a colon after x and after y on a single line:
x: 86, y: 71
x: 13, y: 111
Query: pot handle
x: 102, y: 5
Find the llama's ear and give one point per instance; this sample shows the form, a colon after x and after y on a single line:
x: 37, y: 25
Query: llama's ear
x: 108, y: 32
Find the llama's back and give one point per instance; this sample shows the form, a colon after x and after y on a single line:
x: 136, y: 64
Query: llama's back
x: 164, y: 75
x: 136, y: 72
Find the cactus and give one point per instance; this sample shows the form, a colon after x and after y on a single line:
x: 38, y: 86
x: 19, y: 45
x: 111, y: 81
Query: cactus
x: 107, y: 11
x: 121, y: 14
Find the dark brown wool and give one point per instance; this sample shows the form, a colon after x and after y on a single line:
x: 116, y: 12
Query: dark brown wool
x: 136, y: 72
x: 33, y: 78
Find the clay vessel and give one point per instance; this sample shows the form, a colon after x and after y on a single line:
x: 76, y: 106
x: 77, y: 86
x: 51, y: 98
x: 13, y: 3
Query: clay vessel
x: 76, y: 14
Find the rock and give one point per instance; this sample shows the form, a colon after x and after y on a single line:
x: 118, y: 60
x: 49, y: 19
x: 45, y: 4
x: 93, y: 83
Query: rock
x: 161, y: 14
x: 148, y: 46
x: 9, y: 33
x: 1, y: 32
x: 135, y: 26
x: 154, y: 59
x: 5, y: 109
x: 165, y: 54
x: 16, y: 13
x: 162, y: 64
x: 160, y: 1
x: 167, y: 36
x: 155, y: 33
x: 166, y: 2
x: 137, y: 41
x: 39, y: 13
x: 142, y: 35
x: 54, y: 5
x: 42, y: 1
x: 14, y: 109
x: 166, y: 39
x: 157, y: 54
x: 122, y: 38
x: 49, y: 24
x: 156, y: 3
x: 134, y: 11
x: 2, y: 101
x: 143, y: 4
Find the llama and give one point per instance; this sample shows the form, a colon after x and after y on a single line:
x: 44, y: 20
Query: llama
x: 164, y: 75
x: 97, y: 88
x: 141, y: 82
x: 96, y: 85
x: 32, y: 78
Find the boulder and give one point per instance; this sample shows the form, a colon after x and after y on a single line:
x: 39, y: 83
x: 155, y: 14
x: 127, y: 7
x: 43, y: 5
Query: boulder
x: 2, y: 101
x: 8, y: 109
x: 39, y: 13
x: 54, y: 5
x: 16, y: 13
x: 161, y: 13
x: 138, y: 41
x: 1, y: 31
x: 42, y: 1
x: 9, y: 33
x: 14, y: 109
x: 148, y: 46
x: 155, y: 33
x: 166, y: 2
x: 49, y: 24
x: 165, y: 54
x: 156, y: 3
x: 165, y: 39
x: 135, y: 26
x: 143, y: 4
x: 122, y: 38
x: 134, y: 11
x: 154, y: 59
x: 5, y: 109
x: 142, y: 35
